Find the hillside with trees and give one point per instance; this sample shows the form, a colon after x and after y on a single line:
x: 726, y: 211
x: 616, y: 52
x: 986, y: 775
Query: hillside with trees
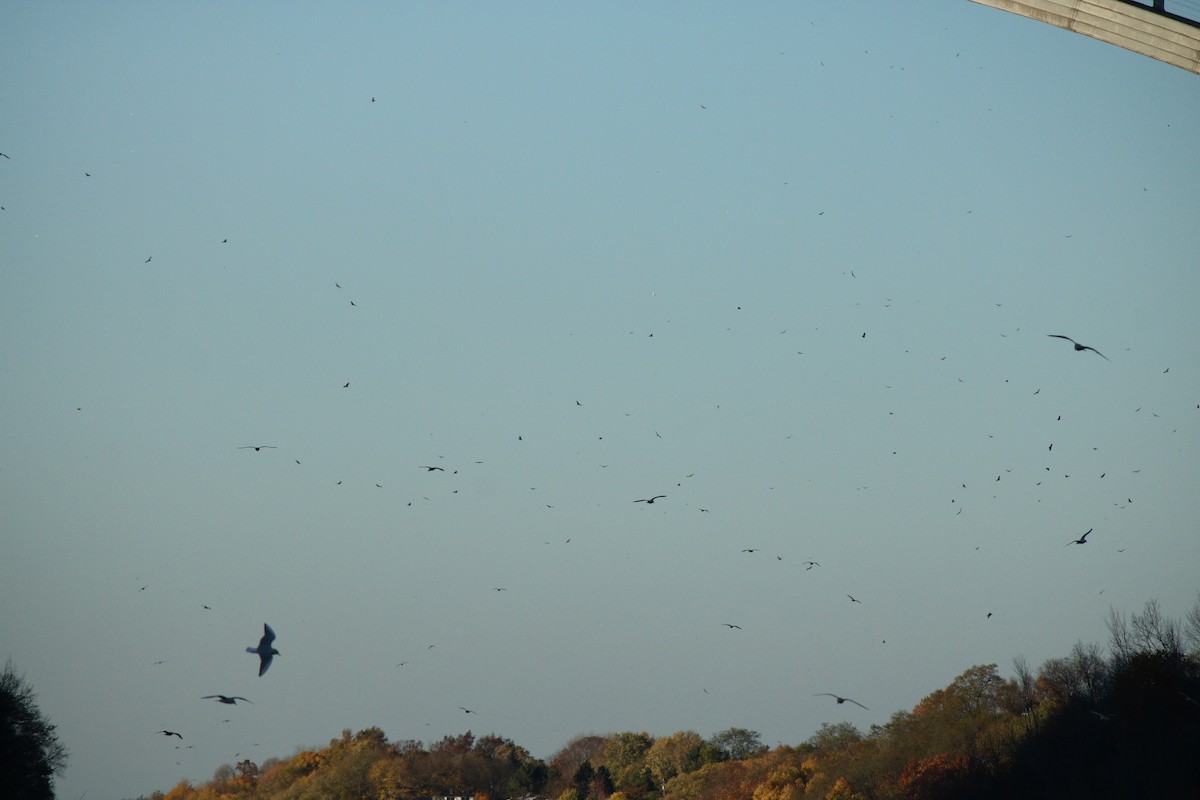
x: 1093, y: 724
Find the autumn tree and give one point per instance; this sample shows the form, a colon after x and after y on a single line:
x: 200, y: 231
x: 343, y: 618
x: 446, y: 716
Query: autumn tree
x: 674, y: 754
x: 30, y: 753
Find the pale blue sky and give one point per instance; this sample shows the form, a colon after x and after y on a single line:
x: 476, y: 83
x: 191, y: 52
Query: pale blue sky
x: 596, y: 253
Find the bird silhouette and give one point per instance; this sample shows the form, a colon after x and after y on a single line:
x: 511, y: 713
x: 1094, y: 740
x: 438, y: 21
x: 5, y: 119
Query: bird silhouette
x: 266, y: 653
x: 1078, y: 346
x: 1081, y: 539
x: 431, y: 469
x: 731, y: 626
x: 170, y: 733
x: 650, y: 500
x: 257, y: 447
x: 147, y: 261
x: 841, y: 699
x: 220, y: 698
x: 466, y: 710
x: 810, y: 564
x: 853, y: 599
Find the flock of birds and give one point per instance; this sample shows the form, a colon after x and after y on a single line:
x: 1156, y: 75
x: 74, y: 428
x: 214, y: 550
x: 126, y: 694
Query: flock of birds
x: 266, y: 651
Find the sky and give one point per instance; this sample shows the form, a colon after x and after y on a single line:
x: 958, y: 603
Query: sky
x: 793, y: 266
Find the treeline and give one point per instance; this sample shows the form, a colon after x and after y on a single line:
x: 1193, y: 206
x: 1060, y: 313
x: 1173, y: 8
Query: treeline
x: 1119, y: 723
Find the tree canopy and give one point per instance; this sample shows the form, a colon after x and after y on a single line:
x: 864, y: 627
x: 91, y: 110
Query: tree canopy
x: 1092, y: 724
x: 30, y: 753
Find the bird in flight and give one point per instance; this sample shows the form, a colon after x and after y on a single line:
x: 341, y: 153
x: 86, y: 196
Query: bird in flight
x: 853, y: 599
x: 731, y: 626
x: 650, y: 500
x: 431, y: 469
x: 466, y: 710
x: 1081, y: 539
x: 266, y: 653
x: 810, y: 564
x: 1078, y: 346
x: 220, y: 698
x: 170, y: 733
x: 841, y: 699
x: 257, y: 447
x: 750, y: 550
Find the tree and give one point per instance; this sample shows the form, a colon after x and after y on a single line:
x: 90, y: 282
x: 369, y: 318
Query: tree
x: 674, y: 754
x: 624, y: 749
x: 30, y: 753
x: 837, y: 736
x: 738, y: 743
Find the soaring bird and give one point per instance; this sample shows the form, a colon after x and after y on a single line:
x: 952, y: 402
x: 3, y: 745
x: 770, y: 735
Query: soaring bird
x: 220, y: 698
x: 257, y: 447
x: 731, y: 626
x: 841, y: 699
x: 650, y: 500
x: 853, y: 599
x: 264, y: 650
x: 466, y: 710
x: 431, y: 469
x: 170, y: 733
x: 1081, y: 539
x: 1078, y: 346
x: 810, y: 564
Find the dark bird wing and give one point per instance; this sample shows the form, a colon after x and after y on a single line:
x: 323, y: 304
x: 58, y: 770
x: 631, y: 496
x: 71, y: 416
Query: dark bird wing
x: 268, y: 637
x: 1060, y: 336
x: 1097, y: 352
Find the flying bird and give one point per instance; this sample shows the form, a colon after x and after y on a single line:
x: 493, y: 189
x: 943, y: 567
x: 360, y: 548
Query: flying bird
x: 1081, y: 539
x: 257, y: 447
x: 220, y: 698
x: 853, y: 599
x: 466, y: 710
x: 170, y: 733
x: 147, y: 261
x: 810, y: 564
x: 266, y: 653
x: 1078, y: 346
x: 841, y: 699
x: 431, y: 469
x: 731, y: 626
x: 650, y: 500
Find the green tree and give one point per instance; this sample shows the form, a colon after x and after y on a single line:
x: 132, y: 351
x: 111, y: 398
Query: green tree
x: 30, y: 753
x: 625, y: 749
x: 738, y: 743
